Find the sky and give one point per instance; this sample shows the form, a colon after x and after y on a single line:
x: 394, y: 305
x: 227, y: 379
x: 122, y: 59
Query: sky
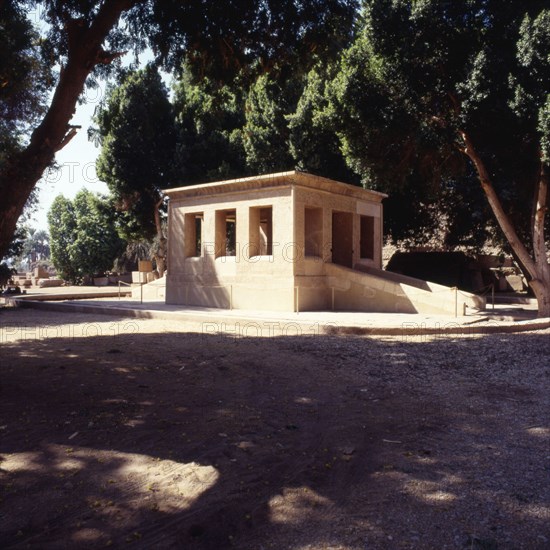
x: 76, y: 163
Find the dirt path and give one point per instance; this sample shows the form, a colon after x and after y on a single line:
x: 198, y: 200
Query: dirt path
x: 128, y: 433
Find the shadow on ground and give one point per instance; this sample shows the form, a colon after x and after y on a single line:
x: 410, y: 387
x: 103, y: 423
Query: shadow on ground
x: 111, y: 435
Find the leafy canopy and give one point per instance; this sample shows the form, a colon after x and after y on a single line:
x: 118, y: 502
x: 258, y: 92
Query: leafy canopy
x: 421, y: 74
x: 25, y: 78
x: 83, y: 236
x: 87, y: 40
x: 209, y: 123
x: 135, y: 126
x: 266, y: 128
x: 312, y: 140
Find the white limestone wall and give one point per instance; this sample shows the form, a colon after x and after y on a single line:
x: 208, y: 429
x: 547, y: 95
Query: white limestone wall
x: 242, y: 281
x: 330, y: 202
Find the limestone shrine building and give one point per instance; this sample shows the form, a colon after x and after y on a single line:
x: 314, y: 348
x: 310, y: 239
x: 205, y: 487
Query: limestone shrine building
x: 264, y: 242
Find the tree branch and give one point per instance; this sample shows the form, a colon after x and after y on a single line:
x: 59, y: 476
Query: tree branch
x: 71, y: 133
x: 23, y: 170
x: 455, y: 102
x: 104, y: 57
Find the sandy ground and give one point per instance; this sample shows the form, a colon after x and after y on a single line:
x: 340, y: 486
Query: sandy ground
x: 147, y: 434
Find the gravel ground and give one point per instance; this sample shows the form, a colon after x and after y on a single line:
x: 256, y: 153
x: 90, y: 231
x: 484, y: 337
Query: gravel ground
x: 146, y: 434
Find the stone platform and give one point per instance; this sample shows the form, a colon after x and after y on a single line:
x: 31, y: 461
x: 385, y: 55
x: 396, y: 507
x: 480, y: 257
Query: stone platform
x: 504, y: 317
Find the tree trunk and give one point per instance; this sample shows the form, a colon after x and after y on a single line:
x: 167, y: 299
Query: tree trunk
x: 541, y: 286
x: 160, y: 256
x: 537, y: 269
x: 23, y: 170
x: 542, y: 294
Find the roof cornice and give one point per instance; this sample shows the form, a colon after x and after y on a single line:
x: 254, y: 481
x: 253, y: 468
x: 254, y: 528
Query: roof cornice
x: 280, y: 179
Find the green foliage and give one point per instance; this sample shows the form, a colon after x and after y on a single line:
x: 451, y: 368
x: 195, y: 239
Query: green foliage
x: 25, y: 78
x: 313, y: 141
x: 62, y: 228
x: 209, y: 121
x: 84, y: 239
x: 17, y: 243
x: 277, y: 124
x: 244, y: 36
x: 420, y: 73
x: 266, y: 129
x: 531, y: 86
x: 33, y: 246
x: 6, y: 273
x: 96, y: 242
x: 135, y: 126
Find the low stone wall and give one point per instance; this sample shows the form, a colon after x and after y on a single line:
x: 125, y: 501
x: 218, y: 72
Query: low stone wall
x: 48, y: 283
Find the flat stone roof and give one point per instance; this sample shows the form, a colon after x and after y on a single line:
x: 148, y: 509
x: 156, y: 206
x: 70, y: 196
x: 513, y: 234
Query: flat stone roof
x: 280, y: 179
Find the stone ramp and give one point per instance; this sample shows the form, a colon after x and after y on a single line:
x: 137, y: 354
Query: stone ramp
x: 371, y: 289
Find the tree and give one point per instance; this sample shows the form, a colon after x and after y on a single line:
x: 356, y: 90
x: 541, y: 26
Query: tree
x: 96, y: 241
x: 17, y: 243
x: 6, y: 273
x: 84, y: 238
x: 36, y: 246
x: 136, y: 159
x: 62, y: 228
x: 25, y: 78
x: 209, y: 122
x: 265, y: 132
x: 432, y: 91
x: 85, y: 38
x: 313, y: 140
x: 135, y: 251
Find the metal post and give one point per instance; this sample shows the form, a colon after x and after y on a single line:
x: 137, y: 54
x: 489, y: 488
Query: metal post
x: 141, y: 293
x: 297, y: 299
x: 332, y: 288
x: 493, y: 295
x: 456, y: 301
x: 119, y: 290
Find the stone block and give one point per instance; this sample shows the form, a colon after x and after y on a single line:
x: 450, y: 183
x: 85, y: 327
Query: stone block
x: 41, y: 273
x: 144, y: 266
x: 101, y: 281
x: 139, y: 277
x: 47, y: 283
x: 515, y: 282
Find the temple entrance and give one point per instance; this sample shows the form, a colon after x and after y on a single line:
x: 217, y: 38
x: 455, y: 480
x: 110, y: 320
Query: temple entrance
x: 342, y: 238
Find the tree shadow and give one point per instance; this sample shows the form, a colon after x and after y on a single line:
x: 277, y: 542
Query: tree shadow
x: 187, y: 440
